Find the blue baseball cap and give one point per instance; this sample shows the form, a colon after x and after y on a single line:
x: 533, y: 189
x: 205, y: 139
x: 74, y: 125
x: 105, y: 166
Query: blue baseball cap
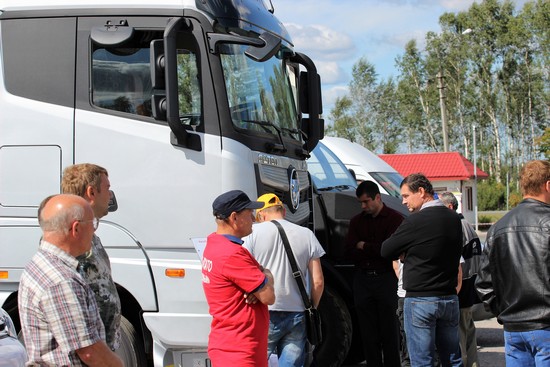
x: 233, y: 201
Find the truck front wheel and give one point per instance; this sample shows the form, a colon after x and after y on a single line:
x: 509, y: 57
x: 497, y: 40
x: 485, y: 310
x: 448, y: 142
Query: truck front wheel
x: 131, y: 349
x: 337, y: 330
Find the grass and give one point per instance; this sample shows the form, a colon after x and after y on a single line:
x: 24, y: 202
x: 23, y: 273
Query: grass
x: 490, y: 217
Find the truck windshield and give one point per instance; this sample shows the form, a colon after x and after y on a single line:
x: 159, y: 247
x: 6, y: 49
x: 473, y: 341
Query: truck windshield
x: 390, y: 181
x: 327, y: 171
x: 260, y: 94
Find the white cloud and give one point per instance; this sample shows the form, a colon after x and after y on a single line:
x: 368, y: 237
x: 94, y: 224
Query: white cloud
x: 321, y: 42
x: 331, y: 72
x: 329, y: 97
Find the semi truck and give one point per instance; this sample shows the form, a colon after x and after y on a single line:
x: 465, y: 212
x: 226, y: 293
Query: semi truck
x: 180, y: 100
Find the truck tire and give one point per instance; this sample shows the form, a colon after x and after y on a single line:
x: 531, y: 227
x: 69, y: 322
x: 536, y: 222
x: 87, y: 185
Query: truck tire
x: 131, y: 349
x: 337, y: 330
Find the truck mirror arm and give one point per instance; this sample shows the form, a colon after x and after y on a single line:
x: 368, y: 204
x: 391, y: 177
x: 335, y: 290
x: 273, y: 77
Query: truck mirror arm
x: 180, y: 136
x: 261, y: 49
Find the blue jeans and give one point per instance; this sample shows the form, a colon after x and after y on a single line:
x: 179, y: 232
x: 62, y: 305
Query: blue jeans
x: 431, y: 321
x: 287, y: 338
x: 527, y: 348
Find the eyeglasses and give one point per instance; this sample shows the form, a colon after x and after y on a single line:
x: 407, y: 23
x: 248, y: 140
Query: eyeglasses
x: 95, y: 222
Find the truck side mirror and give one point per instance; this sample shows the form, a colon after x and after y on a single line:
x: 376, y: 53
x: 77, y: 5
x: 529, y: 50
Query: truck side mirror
x: 310, y: 102
x: 164, y: 69
x: 113, y: 205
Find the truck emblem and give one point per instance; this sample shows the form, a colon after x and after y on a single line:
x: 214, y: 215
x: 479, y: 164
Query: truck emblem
x: 268, y: 160
x: 294, y: 188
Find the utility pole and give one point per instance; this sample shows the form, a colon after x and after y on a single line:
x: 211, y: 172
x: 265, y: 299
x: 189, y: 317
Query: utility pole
x: 443, y: 108
x: 475, y: 178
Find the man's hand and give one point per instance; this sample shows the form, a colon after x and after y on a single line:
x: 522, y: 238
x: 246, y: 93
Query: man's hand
x: 360, y: 245
x: 250, y: 298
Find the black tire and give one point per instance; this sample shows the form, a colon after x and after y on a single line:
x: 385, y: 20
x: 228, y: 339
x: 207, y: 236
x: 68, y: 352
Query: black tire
x: 337, y: 331
x: 131, y: 349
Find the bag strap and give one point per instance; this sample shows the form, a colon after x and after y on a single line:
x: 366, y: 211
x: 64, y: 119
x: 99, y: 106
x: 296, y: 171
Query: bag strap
x: 294, y: 265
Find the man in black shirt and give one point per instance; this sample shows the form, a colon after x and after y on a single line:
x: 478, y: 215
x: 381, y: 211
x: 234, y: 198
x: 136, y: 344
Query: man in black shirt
x: 430, y: 243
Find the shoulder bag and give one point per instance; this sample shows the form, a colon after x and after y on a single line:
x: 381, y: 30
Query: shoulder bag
x: 313, y: 319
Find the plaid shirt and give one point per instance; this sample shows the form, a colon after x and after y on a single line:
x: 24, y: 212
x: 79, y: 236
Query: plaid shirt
x: 57, y: 308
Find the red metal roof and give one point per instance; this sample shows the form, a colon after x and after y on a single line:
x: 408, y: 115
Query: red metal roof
x: 435, y: 166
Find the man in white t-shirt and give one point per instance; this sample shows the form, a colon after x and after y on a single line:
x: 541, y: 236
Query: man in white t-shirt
x: 287, y: 330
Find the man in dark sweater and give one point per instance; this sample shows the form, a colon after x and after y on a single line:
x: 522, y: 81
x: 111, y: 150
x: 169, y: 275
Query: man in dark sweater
x: 429, y: 242
x: 375, y: 283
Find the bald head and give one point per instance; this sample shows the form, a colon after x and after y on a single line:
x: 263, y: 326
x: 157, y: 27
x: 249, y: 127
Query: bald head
x: 67, y: 222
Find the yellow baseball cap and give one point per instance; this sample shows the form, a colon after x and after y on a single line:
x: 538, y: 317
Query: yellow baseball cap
x: 268, y: 200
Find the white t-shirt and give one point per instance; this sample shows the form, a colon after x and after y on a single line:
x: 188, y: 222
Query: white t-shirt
x: 265, y: 244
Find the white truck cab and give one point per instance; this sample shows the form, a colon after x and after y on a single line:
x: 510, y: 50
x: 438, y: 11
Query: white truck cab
x: 180, y: 100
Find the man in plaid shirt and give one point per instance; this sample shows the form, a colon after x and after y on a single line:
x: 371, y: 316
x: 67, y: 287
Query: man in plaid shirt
x: 59, y: 316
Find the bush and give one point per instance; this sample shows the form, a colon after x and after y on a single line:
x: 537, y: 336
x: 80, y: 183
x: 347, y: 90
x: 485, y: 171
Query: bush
x: 491, y: 195
x: 514, y: 199
x: 485, y: 219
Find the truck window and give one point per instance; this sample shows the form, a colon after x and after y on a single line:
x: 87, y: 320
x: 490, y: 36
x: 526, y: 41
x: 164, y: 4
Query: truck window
x: 121, y: 79
x: 391, y: 181
x: 327, y: 171
x: 260, y: 94
x: 188, y: 88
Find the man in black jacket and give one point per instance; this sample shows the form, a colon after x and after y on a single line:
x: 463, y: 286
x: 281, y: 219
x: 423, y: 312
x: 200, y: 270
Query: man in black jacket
x: 430, y: 244
x: 514, y: 281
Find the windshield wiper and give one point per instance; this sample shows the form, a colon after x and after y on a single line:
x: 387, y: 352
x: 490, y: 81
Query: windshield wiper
x: 292, y: 131
x: 265, y: 124
x: 337, y: 187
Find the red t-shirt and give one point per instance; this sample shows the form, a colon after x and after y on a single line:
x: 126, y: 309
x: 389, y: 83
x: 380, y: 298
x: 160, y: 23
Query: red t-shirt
x: 238, y: 335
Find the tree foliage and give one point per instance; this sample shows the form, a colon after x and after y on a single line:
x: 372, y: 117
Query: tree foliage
x: 543, y: 143
x: 490, y: 66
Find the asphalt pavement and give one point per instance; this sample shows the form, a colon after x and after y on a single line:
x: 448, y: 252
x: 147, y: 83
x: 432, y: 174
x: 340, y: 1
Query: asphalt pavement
x: 490, y: 344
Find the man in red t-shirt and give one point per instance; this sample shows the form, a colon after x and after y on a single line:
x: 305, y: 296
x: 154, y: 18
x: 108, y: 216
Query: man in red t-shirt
x: 237, y: 288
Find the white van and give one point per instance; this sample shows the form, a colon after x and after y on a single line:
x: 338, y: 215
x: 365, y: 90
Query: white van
x: 365, y: 164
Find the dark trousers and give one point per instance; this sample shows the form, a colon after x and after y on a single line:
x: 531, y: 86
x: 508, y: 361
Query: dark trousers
x: 376, y: 305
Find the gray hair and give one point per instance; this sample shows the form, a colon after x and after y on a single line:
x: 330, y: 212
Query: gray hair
x: 62, y: 220
x: 449, y: 198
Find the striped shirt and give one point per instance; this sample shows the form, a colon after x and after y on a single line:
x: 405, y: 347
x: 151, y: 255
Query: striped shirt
x: 57, y: 308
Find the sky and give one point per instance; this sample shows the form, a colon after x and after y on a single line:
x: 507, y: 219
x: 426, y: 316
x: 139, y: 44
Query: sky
x: 335, y: 34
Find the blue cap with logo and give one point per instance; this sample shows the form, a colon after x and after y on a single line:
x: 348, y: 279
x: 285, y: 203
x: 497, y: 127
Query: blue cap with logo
x: 233, y: 201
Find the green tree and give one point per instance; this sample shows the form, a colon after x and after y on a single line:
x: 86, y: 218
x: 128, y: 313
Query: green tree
x: 491, y: 195
x: 369, y: 115
x: 495, y: 78
x: 417, y: 99
x: 386, y: 116
x: 543, y: 143
x: 344, y: 124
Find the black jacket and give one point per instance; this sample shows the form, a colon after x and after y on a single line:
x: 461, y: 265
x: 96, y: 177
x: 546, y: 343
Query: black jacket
x: 514, y: 281
x: 431, y: 240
